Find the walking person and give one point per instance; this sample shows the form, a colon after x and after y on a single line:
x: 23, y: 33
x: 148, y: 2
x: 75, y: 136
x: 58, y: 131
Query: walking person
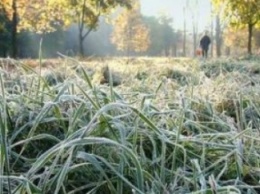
x: 204, y: 44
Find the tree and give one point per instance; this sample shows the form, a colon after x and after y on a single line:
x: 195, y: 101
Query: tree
x: 86, y: 14
x: 218, y: 36
x: 11, y: 9
x: 155, y: 34
x: 211, y: 31
x: 234, y: 39
x: 167, y: 33
x: 184, y: 33
x: 193, y: 10
x: 257, y: 38
x: 5, y: 33
x: 163, y: 38
x: 130, y: 34
x: 217, y: 11
x: 33, y: 15
x: 177, y: 35
x: 99, y: 43
x: 40, y: 17
x: 241, y: 13
x: 44, y: 16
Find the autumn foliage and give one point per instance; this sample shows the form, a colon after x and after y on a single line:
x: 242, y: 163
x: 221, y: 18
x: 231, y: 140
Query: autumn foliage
x: 130, y: 34
x: 240, y: 14
x: 34, y: 15
x: 44, y: 16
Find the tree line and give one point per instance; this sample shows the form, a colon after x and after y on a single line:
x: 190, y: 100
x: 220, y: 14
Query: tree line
x: 23, y: 23
x: 240, y: 17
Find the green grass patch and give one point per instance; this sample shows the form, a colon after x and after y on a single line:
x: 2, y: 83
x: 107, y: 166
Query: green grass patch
x: 166, y: 128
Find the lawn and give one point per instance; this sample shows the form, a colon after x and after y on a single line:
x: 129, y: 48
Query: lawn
x: 121, y: 126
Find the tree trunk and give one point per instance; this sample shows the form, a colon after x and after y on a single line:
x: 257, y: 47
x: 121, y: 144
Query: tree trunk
x: 174, y: 49
x: 82, y: 37
x: 81, y: 26
x: 14, y: 30
x: 212, y: 31
x: 81, y: 45
x: 250, y: 34
x: 194, y: 17
x: 184, y: 33
x: 218, y: 36
x: 167, y: 52
x: 194, y: 40
x: 212, y: 36
x: 129, y: 33
x: 227, y: 51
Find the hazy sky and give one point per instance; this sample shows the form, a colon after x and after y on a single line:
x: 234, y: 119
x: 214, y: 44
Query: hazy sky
x: 175, y: 9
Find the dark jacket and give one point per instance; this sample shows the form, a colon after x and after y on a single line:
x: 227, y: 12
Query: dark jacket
x: 205, y: 42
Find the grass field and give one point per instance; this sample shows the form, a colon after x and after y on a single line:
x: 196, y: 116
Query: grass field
x: 121, y: 126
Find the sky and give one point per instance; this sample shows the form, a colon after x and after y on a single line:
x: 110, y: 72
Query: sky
x: 175, y: 9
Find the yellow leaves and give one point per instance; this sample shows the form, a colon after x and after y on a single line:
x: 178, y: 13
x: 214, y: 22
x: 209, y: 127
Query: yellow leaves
x: 2, y: 27
x: 142, y: 33
x: 130, y: 34
x: 239, y: 11
x: 6, y: 3
x: 7, y: 6
x: 43, y: 15
x: 33, y: 14
x: 235, y: 38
